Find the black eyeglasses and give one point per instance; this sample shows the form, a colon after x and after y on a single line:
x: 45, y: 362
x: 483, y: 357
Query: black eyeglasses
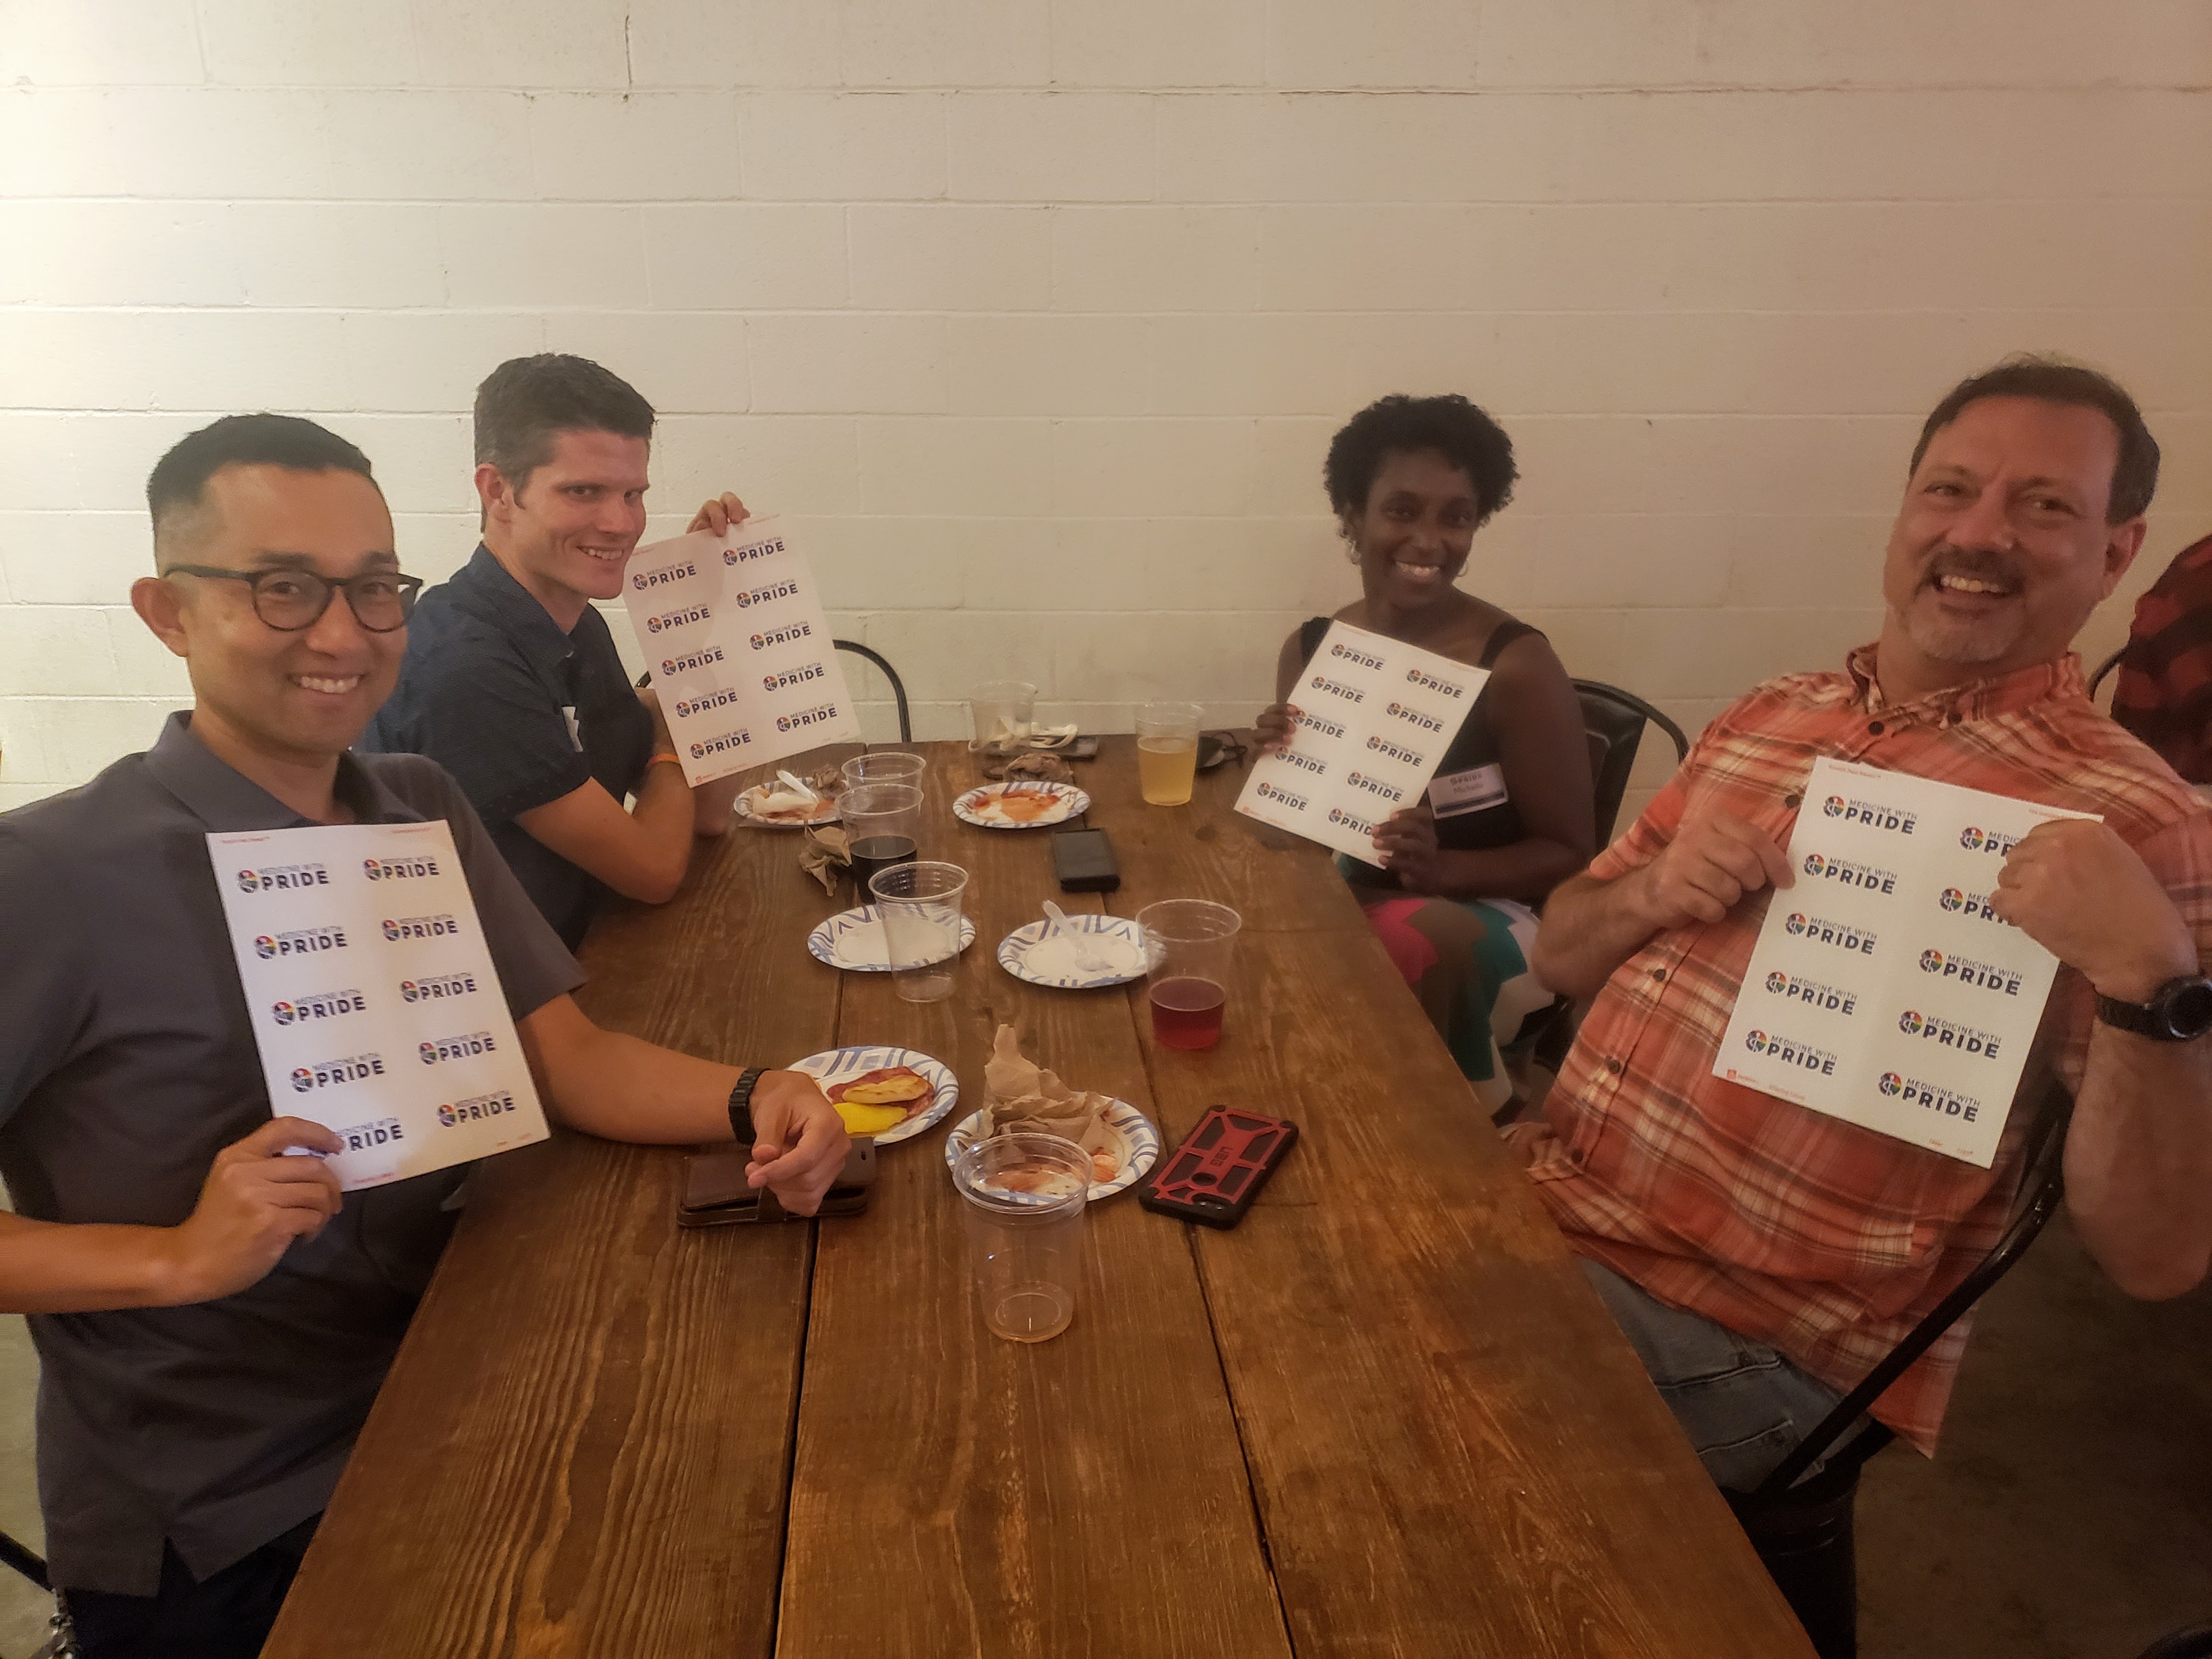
x: 290, y: 601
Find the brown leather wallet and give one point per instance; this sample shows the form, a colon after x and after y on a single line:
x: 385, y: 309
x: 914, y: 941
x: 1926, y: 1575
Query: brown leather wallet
x: 715, y: 1194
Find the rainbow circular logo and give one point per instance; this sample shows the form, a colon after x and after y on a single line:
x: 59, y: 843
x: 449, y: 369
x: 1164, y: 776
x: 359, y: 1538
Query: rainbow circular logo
x: 1777, y: 982
x: 1972, y: 839
x: 1815, y: 864
x: 1833, y: 806
x: 1891, y: 1084
x: 1796, y: 921
x: 1953, y: 899
x: 303, y: 1080
x: 1910, y: 1023
x: 1931, y: 962
x: 1756, y: 1041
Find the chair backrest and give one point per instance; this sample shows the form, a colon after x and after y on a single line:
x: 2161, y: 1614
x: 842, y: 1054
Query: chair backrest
x: 2103, y: 671
x: 1614, y: 720
x: 2195, y: 1643
x: 898, y: 686
x: 2042, y: 1186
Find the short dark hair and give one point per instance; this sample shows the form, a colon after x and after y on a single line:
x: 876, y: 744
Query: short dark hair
x: 1461, y: 432
x: 179, y: 479
x: 526, y: 402
x: 2053, y: 379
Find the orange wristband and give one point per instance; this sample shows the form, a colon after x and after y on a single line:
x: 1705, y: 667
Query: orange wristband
x: 669, y: 755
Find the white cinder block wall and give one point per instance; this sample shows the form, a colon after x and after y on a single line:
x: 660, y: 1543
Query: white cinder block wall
x: 1036, y: 315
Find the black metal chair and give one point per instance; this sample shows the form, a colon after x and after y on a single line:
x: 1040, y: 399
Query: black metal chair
x: 27, y: 1561
x: 2103, y: 671
x: 898, y: 686
x: 1613, y: 720
x: 2195, y: 1643
x: 1802, y: 1529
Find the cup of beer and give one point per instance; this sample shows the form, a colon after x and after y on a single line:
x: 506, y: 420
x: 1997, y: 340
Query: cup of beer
x: 1167, y: 751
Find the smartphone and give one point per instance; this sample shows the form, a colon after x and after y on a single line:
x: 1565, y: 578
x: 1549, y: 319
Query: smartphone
x: 1216, y: 1172
x: 1083, y: 861
x: 714, y: 1193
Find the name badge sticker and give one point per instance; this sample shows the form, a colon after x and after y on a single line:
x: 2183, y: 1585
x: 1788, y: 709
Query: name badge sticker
x: 1454, y: 794
x: 374, y: 1005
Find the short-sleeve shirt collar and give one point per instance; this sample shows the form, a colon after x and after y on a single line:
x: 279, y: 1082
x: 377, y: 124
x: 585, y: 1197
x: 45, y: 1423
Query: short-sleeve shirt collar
x: 1974, y: 700
x: 228, y: 801
x: 486, y: 590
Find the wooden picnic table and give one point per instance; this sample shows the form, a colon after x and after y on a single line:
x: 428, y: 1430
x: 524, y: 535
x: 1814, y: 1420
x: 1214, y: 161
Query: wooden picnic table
x: 1384, y: 1415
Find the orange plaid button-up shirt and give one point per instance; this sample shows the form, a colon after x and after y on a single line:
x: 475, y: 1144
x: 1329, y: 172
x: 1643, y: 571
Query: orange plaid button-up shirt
x: 1824, y: 1239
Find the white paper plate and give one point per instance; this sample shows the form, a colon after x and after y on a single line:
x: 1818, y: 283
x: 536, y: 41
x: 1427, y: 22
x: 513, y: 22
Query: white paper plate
x: 1071, y: 802
x: 827, y: 814
x: 1143, y: 1143
x: 836, y: 1065
x: 1014, y: 953
x: 861, y: 934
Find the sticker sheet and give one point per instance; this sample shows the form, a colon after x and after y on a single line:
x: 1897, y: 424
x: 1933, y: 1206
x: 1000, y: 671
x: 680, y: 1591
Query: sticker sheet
x: 1378, y: 716
x: 1884, y: 989
x: 373, y: 996
x: 732, y: 629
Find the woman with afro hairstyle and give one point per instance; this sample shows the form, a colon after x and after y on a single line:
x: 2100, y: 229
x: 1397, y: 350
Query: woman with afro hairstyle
x: 1508, y: 816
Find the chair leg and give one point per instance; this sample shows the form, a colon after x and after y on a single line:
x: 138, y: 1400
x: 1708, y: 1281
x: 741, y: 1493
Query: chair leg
x: 1808, y: 1550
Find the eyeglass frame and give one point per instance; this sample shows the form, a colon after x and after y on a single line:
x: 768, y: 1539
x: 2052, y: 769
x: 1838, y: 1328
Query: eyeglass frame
x: 410, y: 588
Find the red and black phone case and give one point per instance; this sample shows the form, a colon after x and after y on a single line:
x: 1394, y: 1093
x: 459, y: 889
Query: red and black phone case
x: 1214, y: 1176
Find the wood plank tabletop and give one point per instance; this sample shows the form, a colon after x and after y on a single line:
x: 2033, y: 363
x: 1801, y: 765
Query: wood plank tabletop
x: 1384, y: 1415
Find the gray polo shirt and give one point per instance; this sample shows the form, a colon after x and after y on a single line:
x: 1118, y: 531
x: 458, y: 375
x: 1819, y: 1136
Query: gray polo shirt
x: 126, y: 1063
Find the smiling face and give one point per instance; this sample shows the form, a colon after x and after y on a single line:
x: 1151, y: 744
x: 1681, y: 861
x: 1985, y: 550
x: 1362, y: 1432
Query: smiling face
x: 1413, y: 534
x: 298, y: 698
x: 2000, y: 550
x: 567, y: 533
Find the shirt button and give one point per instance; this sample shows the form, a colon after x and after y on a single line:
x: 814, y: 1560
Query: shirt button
x: 1658, y: 973
x: 1874, y: 728
x: 1614, y: 1066
x: 1793, y: 800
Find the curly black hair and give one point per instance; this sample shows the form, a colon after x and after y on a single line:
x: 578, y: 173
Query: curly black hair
x: 1451, y: 426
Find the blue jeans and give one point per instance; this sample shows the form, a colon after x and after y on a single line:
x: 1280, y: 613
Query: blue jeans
x: 1743, y: 1406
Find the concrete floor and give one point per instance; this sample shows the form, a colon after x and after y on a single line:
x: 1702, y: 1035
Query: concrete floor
x: 2068, y: 1516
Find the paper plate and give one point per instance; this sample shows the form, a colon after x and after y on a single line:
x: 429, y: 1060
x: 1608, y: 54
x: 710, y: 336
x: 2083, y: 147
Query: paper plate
x: 1143, y: 1143
x: 862, y: 934
x: 827, y: 813
x: 1071, y: 801
x: 1014, y: 953
x: 836, y: 1065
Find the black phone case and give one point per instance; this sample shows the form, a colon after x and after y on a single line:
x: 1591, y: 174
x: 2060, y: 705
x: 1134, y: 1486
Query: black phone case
x: 1216, y: 1172
x: 1084, y: 860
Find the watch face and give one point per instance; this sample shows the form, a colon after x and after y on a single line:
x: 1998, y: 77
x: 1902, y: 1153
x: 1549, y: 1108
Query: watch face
x: 2186, y: 1006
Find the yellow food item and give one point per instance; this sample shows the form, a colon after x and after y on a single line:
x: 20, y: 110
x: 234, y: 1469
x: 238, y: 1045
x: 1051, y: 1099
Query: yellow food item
x: 890, y: 1089
x: 863, y: 1119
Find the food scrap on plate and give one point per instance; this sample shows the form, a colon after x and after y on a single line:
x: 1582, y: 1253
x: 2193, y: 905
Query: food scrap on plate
x: 1019, y: 1094
x: 876, y: 1102
x: 1016, y: 804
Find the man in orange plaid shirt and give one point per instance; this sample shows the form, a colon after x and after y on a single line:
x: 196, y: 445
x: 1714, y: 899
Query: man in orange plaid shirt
x: 1762, y: 1256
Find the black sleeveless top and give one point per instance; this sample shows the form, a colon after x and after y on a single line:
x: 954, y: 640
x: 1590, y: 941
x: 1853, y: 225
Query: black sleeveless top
x: 1473, y: 812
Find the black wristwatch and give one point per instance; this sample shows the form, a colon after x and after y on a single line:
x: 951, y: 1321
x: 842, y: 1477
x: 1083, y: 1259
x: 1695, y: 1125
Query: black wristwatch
x: 741, y: 1108
x: 2180, y: 1010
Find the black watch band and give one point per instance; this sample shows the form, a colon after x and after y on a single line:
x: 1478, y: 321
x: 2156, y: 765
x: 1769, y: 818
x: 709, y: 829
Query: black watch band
x: 741, y: 1108
x: 2180, y: 1010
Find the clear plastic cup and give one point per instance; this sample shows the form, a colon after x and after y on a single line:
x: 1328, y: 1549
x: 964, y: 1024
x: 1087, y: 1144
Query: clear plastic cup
x: 1188, y: 945
x: 1025, y: 1194
x: 885, y: 765
x: 1003, y: 711
x: 920, y: 903
x: 882, y: 827
x: 1167, y: 751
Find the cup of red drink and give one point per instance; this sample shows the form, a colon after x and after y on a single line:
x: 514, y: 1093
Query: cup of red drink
x: 1188, y: 946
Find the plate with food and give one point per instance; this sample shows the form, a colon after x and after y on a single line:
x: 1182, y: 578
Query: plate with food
x: 1082, y: 953
x: 1021, y: 806
x: 893, y: 1094
x: 1120, y: 1140
x: 786, y: 802
x: 853, y: 940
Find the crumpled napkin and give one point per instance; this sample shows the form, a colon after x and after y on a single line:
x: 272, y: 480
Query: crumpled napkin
x: 1019, y: 1094
x: 825, y: 854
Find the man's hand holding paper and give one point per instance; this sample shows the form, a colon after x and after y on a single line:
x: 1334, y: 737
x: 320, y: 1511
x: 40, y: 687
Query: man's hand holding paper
x: 2082, y: 893
x: 1715, y: 859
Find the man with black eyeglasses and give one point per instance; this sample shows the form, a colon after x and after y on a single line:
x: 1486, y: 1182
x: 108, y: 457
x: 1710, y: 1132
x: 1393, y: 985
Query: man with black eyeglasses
x: 212, y: 1322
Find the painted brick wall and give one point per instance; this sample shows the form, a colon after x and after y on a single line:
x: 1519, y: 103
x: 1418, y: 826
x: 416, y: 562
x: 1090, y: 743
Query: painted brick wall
x: 1036, y: 315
